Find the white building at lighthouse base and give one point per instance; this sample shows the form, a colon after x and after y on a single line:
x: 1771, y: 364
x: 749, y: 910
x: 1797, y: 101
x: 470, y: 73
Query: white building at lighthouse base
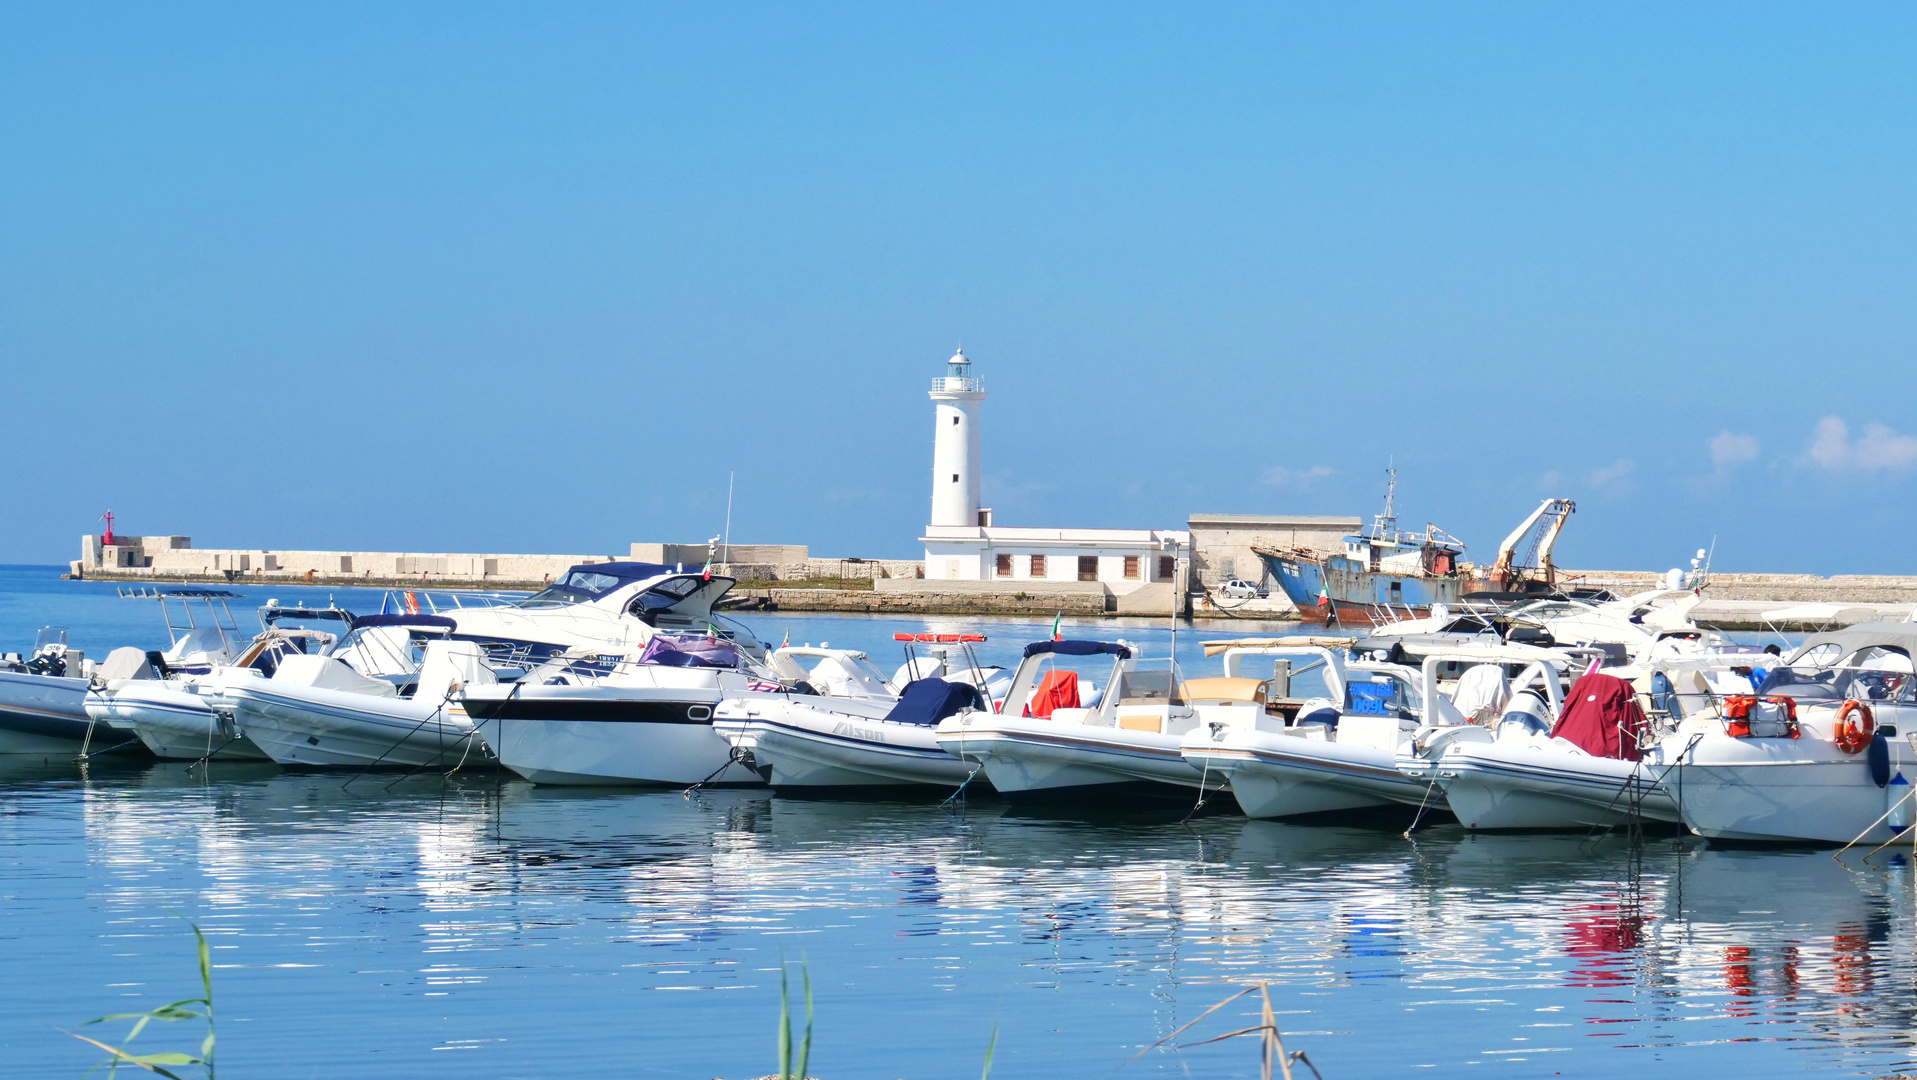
x: 1121, y: 559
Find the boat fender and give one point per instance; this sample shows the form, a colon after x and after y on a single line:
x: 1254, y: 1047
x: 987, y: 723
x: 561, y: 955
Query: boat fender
x: 1879, y: 760
x: 1854, y: 728
x: 1897, y: 794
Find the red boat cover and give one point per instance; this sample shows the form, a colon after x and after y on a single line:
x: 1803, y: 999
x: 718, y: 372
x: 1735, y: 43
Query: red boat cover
x: 1601, y: 716
x: 1057, y: 690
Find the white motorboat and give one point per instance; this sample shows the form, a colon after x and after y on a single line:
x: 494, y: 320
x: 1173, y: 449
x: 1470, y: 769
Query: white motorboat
x: 1543, y: 765
x: 1340, y: 753
x: 386, y: 694
x: 42, y: 706
x: 1057, y: 732
x: 1820, y: 753
x: 609, y: 605
x: 172, y: 715
x: 852, y: 733
x: 627, y: 716
x: 43, y: 698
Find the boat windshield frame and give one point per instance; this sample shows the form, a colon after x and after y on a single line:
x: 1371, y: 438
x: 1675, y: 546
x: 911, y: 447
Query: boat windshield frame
x: 1809, y: 685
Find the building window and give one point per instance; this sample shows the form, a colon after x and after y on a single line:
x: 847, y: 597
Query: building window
x: 1131, y: 568
x: 1004, y: 566
x: 955, y: 478
x: 1088, y: 568
x: 1227, y: 569
x: 955, y: 421
x: 1167, y: 567
x: 1038, y: 566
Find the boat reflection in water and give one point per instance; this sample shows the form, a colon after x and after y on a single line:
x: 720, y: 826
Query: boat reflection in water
x: 527, y: 927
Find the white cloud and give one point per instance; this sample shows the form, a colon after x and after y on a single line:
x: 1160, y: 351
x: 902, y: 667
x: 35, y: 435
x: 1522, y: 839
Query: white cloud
x: 1551, y: 479
x: 1614, y: 472
x: 1730, y: 449
x: 1279, y: 476
x: 1878, y: 448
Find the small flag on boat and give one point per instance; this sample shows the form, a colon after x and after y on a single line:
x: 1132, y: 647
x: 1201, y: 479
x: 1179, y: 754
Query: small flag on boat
x: 786, y: 642
x: 1056, y: 635
x: 760, y: 686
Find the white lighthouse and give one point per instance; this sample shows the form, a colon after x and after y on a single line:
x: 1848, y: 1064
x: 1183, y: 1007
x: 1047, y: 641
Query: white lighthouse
x: 962, y: 544
x: 955, y: 481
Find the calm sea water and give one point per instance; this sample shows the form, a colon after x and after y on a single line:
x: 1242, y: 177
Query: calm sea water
x: 480, y: 927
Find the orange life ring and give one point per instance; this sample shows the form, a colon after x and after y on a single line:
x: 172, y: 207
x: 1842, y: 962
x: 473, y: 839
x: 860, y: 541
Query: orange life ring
x: 1850, y: 733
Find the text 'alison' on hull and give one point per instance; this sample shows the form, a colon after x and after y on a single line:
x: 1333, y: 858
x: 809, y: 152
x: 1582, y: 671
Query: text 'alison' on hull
x: 848, y: 729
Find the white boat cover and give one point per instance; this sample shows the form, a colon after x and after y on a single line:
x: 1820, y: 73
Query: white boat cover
x: 326, y: 673
x: 1481, y: 693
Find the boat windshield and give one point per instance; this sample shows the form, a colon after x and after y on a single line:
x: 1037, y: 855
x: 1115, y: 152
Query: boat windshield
x: 577, y: 587
x: 1834, y: 684
x: 1376, y: 693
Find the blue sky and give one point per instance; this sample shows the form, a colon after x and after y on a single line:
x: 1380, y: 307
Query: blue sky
x: 538, y: 277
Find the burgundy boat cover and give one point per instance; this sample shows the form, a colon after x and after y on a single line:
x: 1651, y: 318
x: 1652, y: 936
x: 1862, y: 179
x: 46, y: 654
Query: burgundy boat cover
x: 1602, y: 718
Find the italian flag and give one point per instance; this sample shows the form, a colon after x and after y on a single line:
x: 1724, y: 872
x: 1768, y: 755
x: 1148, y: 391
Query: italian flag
x: 1056, y: 635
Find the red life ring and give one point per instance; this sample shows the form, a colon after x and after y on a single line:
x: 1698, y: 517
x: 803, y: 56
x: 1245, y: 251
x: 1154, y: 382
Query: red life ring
x: 1854, y: 727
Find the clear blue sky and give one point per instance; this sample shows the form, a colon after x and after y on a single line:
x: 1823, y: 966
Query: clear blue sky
x: 536, y: 277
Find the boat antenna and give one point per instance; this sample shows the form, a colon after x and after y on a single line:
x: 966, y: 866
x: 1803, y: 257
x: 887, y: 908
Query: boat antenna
x: 728, y: 531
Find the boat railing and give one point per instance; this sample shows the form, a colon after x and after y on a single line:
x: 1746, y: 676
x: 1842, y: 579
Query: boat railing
x: 426, y: 602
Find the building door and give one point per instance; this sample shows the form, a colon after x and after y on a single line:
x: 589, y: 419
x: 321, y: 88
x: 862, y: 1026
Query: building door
x: 1088, y: 568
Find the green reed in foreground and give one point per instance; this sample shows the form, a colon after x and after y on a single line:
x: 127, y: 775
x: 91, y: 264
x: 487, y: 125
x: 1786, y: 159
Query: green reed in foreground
x: 787, y: 1070
x: 177, y: 1010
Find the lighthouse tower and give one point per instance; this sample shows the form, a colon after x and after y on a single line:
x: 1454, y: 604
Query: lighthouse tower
x: 955, y: 492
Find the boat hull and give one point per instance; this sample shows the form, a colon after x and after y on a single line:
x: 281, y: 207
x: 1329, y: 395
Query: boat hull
x: 1353, y: 593
x: 1022, y: 756
x: 1541, y: 787
x: 798, y: 744
x: 1278, y: 775
x: 45, y: 714
x: 609, y: 736
x: 174, y: 722
x: 306, y: 726
x: 1783, y: 791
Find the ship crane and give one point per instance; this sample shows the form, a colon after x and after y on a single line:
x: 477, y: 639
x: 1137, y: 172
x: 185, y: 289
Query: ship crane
x: 1542, y: 527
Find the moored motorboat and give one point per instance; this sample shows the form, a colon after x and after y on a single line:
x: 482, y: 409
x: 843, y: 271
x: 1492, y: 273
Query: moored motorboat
x: 1548, y: 765
x: 1340, y: 753
x: 1059, y: 731
x: 622, y: 717
x: 1819, y: 753
x: 825, y: 739
x: 385, y: 695
x: 43, y: 699
x: 175, y: 718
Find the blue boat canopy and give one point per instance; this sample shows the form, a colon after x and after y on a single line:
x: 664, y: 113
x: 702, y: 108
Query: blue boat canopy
x: 1079, y: 648
x: 927, y: 701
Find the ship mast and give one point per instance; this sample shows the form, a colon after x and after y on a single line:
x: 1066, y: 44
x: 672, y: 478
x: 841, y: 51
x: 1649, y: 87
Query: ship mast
x: 1385, y: 525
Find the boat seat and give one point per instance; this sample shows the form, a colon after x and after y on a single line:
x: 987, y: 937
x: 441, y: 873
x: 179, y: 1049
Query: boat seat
x: 328, y: 673
x: 1153, y: 721
x: 1221, y: 691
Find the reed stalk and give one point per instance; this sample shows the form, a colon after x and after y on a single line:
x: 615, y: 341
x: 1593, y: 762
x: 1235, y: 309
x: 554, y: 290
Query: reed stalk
x: 787, y: 1071
x: 157, y: 1063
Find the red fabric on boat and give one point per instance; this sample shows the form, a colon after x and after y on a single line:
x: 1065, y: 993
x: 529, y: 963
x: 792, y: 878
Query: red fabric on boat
x: 1057, y: 690
x: 1602, y: 718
